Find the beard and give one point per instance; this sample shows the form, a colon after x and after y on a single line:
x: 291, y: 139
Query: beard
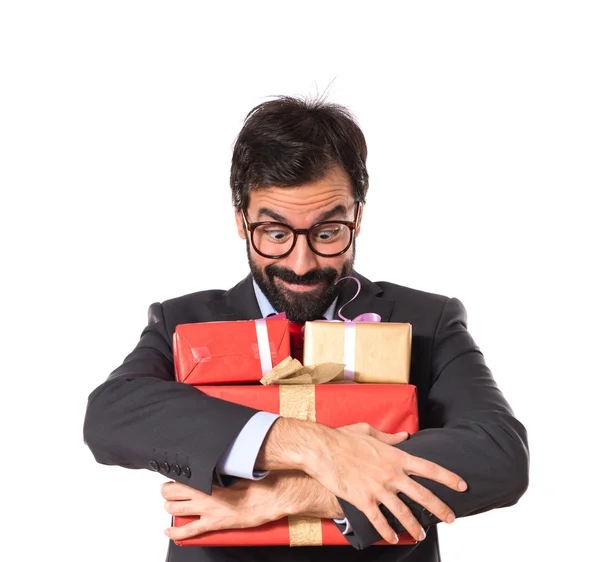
x: 300, y: 306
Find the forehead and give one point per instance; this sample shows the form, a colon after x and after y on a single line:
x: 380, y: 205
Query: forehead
x: 306, y: 200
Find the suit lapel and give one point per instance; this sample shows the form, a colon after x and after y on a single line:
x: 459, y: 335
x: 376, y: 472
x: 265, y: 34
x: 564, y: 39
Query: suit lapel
x: 238, y: 303
x: 368, y: 299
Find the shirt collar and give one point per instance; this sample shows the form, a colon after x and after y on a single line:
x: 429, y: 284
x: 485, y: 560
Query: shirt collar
x: 266, y: 307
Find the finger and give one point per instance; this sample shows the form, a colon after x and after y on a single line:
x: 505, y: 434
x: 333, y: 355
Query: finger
x: 389, y: 438
x: 380, y: 523
x: 360, y: 427
x: 165, y: 487
x: 421, y: 467
x: 401, y: 512
x: 402, y: 436
x: 427, y: 499
x: 177, y: 491
x: 181, y: 508
x: 187, y: 531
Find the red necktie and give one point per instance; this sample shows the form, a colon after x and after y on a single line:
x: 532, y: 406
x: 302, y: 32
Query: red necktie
x: 297, y: 341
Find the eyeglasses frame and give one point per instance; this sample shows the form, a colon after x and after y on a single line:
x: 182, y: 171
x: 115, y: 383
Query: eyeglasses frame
x: 252, y: 226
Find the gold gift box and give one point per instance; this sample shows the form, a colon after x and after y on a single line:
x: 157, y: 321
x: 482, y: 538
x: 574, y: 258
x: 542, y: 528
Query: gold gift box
x: 381, y: 349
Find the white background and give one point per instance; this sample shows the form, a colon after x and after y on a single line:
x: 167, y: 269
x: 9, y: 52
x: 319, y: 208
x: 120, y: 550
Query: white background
x: 117, y: 121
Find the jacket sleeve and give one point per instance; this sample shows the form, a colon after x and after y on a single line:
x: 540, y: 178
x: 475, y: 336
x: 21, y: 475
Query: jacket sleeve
x: 469, y: 428
x: 142, y: 418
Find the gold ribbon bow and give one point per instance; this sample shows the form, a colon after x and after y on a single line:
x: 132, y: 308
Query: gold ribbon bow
x: 291, y: 371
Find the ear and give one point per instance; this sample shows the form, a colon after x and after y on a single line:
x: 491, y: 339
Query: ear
x: 359, y: 219
x: 239, y: 221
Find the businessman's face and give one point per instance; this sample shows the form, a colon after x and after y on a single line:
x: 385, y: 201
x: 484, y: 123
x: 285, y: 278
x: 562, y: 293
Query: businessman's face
x: 302, y: 283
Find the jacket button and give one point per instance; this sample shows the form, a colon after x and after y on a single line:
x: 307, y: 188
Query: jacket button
x: 165, y: 467
x: 176, y: 469
x: 154, y: 466
x: 185, y: 470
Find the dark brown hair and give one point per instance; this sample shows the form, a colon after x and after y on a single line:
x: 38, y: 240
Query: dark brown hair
x: 290, y: 141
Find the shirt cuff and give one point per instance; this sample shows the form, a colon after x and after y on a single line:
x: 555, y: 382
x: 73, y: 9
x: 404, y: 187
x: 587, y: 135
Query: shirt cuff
x: 344, y: 521
x: 240, y: 457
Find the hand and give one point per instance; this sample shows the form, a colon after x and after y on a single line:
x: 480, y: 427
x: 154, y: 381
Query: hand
x: 248, y: 503
x: 358, y: 464
x: 245, y: 504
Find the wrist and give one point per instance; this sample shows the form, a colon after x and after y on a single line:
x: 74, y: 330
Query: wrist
x: 259, y: 497
x: 290, y: 498
x: 314, y: 500
x: 317, y: 449
x: 332, y: 508
x: 291, y: 444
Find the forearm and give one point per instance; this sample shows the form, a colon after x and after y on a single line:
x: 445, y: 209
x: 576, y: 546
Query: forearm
x: 129, y: 422
x: 291, y: 445
x: 292, y: 493
x: 305, y: 496
x: 470, y: 428
x: 492, y: 457
x: 142, y: 418
x: 478, y: 439
x: 494, y: 466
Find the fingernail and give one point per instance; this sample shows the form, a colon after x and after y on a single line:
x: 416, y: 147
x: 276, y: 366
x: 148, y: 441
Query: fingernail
x: 450, y: 518
x: 167, y: 532
x: 395, y: 539
x: 422, y: 535
x: 462, y: 485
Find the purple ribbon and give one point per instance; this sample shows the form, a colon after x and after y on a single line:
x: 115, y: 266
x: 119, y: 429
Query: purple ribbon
x: 366, y: 316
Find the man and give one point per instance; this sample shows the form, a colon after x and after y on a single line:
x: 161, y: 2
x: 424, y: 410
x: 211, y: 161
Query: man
x: 299, y: 182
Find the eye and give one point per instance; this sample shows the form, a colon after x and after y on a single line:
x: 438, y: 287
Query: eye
x: 277, y: 234
x: 327, y: 233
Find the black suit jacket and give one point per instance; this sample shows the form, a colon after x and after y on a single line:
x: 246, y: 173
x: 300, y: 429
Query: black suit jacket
x: 142, y: 418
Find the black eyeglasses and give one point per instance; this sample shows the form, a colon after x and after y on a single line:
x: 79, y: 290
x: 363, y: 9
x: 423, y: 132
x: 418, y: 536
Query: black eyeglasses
x: 276, y: 240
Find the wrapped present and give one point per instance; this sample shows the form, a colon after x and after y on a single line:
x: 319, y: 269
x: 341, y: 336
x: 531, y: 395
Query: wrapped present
x: 229, y: 352
x: 390, y: 408
x: 373, y: 352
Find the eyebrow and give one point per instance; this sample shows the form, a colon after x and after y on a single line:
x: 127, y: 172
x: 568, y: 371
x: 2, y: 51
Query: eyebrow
x: 337, y: 210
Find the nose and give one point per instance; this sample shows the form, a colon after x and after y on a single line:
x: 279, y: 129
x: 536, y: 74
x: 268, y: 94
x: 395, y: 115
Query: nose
x: 302, y: 259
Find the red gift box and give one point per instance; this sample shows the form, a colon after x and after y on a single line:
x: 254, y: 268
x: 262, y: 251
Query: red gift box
x: 229, y: 352
x: 388, y: 407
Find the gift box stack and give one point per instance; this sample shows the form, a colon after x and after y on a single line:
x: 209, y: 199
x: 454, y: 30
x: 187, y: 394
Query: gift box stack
x: 228, y: 360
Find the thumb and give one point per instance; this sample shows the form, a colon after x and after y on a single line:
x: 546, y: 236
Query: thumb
x: 390, y: 438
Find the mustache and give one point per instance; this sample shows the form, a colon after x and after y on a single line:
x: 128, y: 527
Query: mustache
x: 327, y: 274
